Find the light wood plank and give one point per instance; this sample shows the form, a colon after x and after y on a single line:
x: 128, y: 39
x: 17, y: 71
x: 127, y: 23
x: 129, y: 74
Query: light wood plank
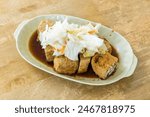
x: 19, y: 80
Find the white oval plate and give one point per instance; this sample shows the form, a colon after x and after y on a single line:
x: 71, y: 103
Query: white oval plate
x: 127, y: 60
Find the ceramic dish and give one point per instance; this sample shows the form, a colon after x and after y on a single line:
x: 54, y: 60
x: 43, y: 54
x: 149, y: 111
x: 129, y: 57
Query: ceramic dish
x: 127, y: 59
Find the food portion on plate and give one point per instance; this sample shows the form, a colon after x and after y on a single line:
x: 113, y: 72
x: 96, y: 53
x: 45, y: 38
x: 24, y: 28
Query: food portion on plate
x: 73, y: 48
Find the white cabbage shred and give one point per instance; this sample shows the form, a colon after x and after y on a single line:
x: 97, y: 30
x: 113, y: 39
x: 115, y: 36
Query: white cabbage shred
x: 70, y: 39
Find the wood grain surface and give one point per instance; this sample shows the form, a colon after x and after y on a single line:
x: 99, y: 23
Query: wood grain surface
x: 20, y: 80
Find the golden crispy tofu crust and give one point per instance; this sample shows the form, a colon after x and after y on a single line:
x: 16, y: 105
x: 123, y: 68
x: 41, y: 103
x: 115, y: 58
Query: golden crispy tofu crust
x: 84, y: 63
x: 109, y: 47
x: 49, y: 53
x: 104, y: 65
x: 64, y: 65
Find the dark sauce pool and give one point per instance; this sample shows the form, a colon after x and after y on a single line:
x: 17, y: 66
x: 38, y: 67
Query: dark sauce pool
x: 37, y: 51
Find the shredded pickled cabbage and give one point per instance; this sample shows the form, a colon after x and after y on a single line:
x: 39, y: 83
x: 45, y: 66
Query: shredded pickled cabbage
x: 70, y: 39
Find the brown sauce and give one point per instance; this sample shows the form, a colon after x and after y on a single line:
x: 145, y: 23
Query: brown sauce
x: 37, y: 51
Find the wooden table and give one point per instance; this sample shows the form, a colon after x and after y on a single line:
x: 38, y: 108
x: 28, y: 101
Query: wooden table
x: 20, y: 80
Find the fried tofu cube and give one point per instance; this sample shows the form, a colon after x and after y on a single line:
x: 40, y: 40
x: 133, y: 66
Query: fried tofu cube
x: 49, y: 53
x: 109, y: 47
x: 64, y: 65
x: 104, y: 64
x: 43, y: 23
x: 83, y: 64
x: 49, y: 49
